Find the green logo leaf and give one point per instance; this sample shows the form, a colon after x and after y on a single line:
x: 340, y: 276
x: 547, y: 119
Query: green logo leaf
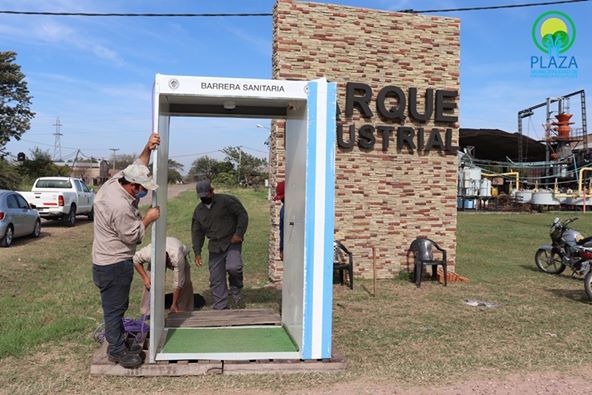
x: 553, y: 32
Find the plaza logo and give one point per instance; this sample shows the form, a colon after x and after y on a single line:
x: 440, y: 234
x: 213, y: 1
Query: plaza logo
x: 553, y: 34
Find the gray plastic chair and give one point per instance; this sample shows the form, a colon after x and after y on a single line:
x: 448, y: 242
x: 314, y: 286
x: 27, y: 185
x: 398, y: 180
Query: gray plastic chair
x: 422, y: 248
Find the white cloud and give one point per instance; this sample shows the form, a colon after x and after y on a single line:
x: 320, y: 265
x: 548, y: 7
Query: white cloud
x: 46, y: 31
x: 260, y: 45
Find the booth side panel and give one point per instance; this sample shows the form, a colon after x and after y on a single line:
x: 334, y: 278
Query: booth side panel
x: 294, y: 211
x: 157, y: 273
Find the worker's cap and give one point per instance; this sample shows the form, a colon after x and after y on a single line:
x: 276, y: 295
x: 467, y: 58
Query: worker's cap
x: 203, y: 188
x: 280, y: 189
x: 138, y: 173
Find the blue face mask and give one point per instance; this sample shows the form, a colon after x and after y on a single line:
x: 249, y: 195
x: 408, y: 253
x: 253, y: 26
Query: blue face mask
x: 141, y: 194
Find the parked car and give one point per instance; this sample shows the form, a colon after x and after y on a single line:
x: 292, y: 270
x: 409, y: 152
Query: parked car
x: 61, y: 198
x: 17, y: 218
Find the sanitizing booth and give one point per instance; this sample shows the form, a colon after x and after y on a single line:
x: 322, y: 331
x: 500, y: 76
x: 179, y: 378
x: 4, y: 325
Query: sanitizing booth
x: 307, y: 292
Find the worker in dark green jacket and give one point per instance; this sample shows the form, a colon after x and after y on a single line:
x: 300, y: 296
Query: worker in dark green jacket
x: 223, y: 220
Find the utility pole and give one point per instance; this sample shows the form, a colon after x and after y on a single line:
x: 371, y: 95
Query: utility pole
x: 114, y: 157
x: 57, y: 147
x: 240, y: 154
x: 268, y: 144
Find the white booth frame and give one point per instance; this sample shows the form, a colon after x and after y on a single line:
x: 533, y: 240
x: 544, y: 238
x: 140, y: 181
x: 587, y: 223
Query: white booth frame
x: 309, y: 108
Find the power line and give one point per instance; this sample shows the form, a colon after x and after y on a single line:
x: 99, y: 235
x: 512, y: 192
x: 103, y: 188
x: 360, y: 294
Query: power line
x: 259, y: 14
x: 254, y: 149
x: 51, y: 145
x: 195, y: 154
x: 496, y: 7
x: 133, y: 14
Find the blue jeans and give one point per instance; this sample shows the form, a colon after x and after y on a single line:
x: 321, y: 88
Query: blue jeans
x: 114, y: 282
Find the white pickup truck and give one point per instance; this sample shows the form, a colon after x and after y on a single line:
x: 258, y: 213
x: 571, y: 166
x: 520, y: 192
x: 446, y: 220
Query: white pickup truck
x: 61, y: 198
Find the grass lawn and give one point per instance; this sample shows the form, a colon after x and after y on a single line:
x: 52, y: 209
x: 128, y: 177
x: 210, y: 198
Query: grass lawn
x: 49, y: 308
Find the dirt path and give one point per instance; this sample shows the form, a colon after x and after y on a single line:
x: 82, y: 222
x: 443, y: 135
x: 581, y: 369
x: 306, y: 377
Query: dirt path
x: 539, y: 383
x: 173, y: 191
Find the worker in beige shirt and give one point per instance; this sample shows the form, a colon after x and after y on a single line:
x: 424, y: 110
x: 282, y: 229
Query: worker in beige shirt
x: 118, y: 229
x: 176, y: 260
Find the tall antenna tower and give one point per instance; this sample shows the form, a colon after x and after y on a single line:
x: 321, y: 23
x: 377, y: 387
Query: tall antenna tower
x: 57, y: 146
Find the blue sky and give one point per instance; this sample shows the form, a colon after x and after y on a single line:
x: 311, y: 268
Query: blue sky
x: 96, y: 74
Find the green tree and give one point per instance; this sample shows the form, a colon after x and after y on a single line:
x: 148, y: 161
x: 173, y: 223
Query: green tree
x: 225, y: 178
x: 124, y: 160
x: 174, y: 172
x: 10, y: 176
x: 41, y: 165
x: 250, y: 169
x: 206, y: 167
x: 15, y: 102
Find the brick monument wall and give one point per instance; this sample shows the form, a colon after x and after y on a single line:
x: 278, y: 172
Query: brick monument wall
x: 385, y: 195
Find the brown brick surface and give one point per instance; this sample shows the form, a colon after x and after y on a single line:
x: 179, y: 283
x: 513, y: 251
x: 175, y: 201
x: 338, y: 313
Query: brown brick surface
x: 382, y: 199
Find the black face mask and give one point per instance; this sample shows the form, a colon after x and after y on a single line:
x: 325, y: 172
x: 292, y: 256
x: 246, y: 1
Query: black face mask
x: 206, y: 200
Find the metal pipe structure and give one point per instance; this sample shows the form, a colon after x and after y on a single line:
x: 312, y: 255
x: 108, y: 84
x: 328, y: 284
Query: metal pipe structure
x: 527, y: 112
x: 580, y: 181
x: 557, y: 194
x: 510, y: 173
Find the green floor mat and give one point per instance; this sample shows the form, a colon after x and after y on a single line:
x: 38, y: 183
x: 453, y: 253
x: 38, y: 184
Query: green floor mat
x: 228, y: 340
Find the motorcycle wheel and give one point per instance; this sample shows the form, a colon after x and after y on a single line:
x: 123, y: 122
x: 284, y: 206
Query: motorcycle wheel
x: 549, y: 262
x: 588, y: 284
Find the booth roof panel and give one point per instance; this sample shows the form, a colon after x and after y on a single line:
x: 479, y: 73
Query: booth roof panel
x: 230, y: 87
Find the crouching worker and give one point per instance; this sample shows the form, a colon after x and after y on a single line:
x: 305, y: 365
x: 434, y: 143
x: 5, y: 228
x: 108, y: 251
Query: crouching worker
x: 176, y: 260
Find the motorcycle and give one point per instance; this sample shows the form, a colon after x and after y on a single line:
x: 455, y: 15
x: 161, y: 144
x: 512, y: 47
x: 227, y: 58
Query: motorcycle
x: 568, y: 249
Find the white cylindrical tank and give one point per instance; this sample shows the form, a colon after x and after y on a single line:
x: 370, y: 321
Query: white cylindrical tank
x: 544, y: 198
x: 485, y: 187
x: 524, y: 196
x: 474, y: 173
x: 472, y: 179
x: 580, y: 201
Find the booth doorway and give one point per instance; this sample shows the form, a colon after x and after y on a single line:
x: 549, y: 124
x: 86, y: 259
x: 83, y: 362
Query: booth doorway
x: 309, y: 110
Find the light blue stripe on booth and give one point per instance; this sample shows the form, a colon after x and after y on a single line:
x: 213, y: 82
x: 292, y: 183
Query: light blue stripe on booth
x: 318, y: 293
x: 329, y: 219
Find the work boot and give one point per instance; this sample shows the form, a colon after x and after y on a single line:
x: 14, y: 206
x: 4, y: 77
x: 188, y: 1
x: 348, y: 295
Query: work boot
x: 135, y: 348
x: 238, y: 301
x: 127, y: 359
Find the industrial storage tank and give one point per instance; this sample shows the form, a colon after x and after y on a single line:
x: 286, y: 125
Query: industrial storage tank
x: 471, y: 180
x: 544, y: 198
x: 524, y: 196
x: 577, y: 201
x: 485, y: 188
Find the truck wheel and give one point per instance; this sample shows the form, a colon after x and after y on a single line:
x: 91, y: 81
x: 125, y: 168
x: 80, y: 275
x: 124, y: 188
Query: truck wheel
x: 70, y: 219
x: 91, y: 215
x: 7, y: 239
